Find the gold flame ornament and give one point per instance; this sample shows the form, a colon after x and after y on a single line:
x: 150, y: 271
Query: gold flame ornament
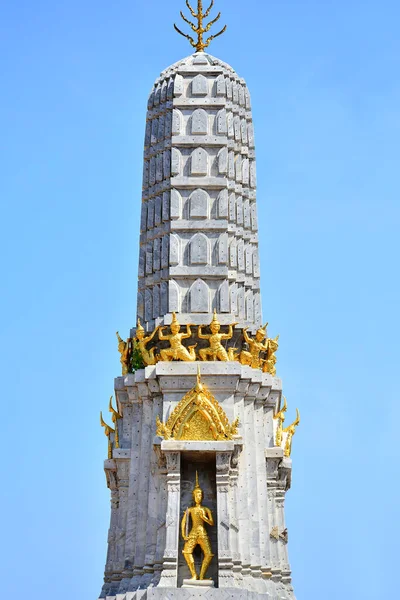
x: 290, y: 431
x: 200, y: 29
x: 108, y: 431
x: 114, y: 417
x: 280, y: 416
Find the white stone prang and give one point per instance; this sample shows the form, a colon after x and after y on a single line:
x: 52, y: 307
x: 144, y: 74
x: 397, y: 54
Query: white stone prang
x: 199, y: 233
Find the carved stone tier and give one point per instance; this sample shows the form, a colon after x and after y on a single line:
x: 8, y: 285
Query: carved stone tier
x: 144, y: 476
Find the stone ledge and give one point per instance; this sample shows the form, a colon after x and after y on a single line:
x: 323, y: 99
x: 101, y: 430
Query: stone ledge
x: 198, y: 446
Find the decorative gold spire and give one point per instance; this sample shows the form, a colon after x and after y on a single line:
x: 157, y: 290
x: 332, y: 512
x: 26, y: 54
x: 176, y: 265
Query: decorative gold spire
x: 200, y: 29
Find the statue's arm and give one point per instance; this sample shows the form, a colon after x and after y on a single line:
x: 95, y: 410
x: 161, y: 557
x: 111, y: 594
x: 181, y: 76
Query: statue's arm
x: 183, y: 525
x: 246, y: 336
x: 150, y: 337
x: 207, y: 516
x: 161, y: 336
x: 188, y: 333
x: 201, y: 335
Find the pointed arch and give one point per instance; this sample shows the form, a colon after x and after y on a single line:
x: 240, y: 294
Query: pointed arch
x: 199, y: 123
x: 199, y: 249
x: 199, y: 297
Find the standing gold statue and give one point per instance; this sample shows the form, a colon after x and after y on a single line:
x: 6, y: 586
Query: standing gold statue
x: 280, y: 415
x: 269, y: 364
x: 198, y: 534
x: 125, y: 350
x: 142, y: 341
x: 216, y: 350
x: 290, y: 431
x: 256, y: 346
x: 177, y: 350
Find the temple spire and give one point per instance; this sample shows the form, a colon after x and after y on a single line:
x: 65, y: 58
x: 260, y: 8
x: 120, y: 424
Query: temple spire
x: 200, y: 28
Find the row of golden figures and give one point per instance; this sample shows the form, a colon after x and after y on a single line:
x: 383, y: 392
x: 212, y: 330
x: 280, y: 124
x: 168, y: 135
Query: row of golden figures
x: 136, y: 354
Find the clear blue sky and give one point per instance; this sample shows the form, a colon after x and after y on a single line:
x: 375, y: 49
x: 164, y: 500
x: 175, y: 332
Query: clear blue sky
x: 324, y: 79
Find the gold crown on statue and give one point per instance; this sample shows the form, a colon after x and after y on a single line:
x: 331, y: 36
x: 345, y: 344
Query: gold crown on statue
x: 139, y: 326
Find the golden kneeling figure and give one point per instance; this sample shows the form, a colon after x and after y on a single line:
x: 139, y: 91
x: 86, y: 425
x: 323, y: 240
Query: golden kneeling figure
x: 197, y: 534
x: 177, y: 350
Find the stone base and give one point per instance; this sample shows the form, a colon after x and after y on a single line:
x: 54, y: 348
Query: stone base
x: 198, y: 583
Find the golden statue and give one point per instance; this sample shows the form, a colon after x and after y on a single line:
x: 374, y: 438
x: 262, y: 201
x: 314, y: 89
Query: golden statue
x: 177, y: 350
x: 256, y: 346
x: 290, y: 431
x: 198, y: 534
x: 142, y: 341
x: 114, y: 417
x: 108, y: 431
x: 216, y: 350
x: 125, y: 350
x: 280, y: 415
x: 199, y: 29
x: 269, y: 363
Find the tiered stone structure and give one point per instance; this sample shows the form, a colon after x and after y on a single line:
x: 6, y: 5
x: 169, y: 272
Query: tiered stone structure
x: 198, y: 242
x: 198, y: 252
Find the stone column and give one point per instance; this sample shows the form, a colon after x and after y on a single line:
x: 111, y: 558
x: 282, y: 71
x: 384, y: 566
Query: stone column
x: 233, y: 503
x: 110, y: 469
x: 169, y: 575
x: 225, y: 564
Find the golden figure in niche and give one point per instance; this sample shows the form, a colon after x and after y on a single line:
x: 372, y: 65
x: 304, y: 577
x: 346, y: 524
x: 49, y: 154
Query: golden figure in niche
x: 125, y: 350
x: 256, y: 346
x: 177, y: 350
x: 216, y: 351
x: 142, y: 341
x: 197, y: 535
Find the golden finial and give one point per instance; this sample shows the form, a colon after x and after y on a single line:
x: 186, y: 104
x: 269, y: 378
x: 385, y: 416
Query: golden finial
x: 199, y: 29
x: 197, y: 486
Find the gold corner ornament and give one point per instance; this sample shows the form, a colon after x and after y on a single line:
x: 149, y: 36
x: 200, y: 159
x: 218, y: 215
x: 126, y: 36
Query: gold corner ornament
x: 115, y: 415
x: 290, y: 431
x: 280, y: 417
x: 197, y: 535
x: 198, y: 416
x: 125, y: 350
x: 200, y: 28
x: 108, y: 431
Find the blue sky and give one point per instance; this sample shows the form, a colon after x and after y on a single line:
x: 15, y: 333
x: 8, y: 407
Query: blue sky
x: 324, y: 80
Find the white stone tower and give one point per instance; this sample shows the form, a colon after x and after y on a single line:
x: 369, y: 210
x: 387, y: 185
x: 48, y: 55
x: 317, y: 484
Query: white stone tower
x: 215, y: 406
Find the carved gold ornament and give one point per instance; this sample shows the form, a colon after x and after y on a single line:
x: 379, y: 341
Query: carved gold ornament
x: 108, y: 431
x: 256, y: 347
x: 200, y: 29
x: 198, y: 416
x: 125, y: 350
x: 114, y: 417
x: 280, y: 417
x: 290, y: 431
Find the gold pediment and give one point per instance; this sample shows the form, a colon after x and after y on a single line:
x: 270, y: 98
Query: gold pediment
x: 198, y: 416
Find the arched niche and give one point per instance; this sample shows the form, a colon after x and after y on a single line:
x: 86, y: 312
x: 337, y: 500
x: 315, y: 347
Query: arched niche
x: 199, y: 162
x: 199, y: 249
x: 140, y: 306
x: 156, y: 301
x: 199, y: 297
x: 173, y: 296
x: 148, y: 305
x: 199, y: 123
x: 199, y: 86
x: 224, y: 305
x: 176, y: 122
x: 174, y: 250
x: 199, y: 204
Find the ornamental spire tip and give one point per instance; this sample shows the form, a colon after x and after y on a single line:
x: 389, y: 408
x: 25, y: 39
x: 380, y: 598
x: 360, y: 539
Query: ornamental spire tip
x: 200, y: 29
